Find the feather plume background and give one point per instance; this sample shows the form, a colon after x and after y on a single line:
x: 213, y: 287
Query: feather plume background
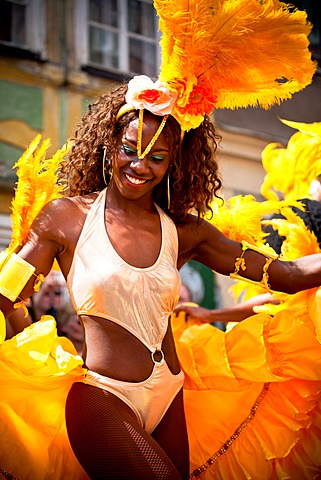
x: 36, y: 186
x: 240, y: 218
x: 299, y: 240
x: 291, y: 169
x: 233, y: 53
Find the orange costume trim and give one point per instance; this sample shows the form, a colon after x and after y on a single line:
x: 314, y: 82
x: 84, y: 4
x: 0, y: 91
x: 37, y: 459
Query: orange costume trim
x: 198, y: 471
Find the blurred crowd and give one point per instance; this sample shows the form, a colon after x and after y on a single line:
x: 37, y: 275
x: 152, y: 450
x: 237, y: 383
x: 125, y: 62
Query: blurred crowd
x: 52, y: 299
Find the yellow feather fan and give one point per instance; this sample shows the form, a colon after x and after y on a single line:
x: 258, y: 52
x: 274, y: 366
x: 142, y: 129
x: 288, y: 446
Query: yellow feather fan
x: 232, y: 54
x: 241, y: 218
x: 36, y: 186
x: 290, y: 170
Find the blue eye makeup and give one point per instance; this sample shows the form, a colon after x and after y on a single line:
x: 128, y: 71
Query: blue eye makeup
x: 157, y: 158
x: 129, y: 150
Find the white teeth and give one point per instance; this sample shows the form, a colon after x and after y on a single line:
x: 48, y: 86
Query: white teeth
x: 136, y: 181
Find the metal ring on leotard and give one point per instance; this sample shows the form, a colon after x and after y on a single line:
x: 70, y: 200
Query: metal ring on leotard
x: 162, y: 356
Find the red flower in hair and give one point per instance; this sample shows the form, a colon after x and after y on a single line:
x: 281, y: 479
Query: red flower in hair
x: 149, y: 95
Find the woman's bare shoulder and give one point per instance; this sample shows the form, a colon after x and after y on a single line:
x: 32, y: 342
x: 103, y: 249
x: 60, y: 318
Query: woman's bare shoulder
x: 194, y: 229
x: 63, y: 205
x: 62, y: 216
x: 63, y: 208
x: 191, y: 233
x: 201, y: 241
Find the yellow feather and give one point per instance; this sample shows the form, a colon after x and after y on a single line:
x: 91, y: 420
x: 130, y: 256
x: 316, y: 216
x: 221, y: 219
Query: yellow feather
x: 289, y: 173
x: 36, y: 186
x: 290, y: 170
x: 240, y: 218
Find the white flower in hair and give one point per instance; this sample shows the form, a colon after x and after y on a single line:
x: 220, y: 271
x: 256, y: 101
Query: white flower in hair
x: 155, y: 97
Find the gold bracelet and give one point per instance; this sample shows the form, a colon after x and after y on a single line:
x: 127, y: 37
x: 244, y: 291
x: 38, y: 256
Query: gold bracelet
x: 265, y: 276
x: 240, y: 263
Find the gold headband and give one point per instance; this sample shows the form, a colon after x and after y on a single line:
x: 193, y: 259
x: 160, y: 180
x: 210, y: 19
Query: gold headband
x: 125, y: 109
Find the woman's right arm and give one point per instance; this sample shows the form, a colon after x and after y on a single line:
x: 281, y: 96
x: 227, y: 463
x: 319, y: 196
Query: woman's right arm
x: 23, y: 271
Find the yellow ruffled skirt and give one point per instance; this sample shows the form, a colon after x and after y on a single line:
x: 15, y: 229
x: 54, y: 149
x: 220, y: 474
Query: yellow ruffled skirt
x: 37, y: 370
x: 253, y: 394
x: 252, y: 397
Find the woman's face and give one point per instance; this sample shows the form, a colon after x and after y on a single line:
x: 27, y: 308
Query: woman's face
x: 136, y: 177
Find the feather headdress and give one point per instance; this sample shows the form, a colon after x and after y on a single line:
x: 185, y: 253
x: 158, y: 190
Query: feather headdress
x: 231, y: 54
x: 224, y: 54
x: 290, y: 170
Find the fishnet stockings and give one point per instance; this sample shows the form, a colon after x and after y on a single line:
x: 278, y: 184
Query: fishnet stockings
x: 110, y: 444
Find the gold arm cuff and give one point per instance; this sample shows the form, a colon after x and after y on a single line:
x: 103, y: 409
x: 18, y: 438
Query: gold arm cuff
x: 14, y: 275
x: 240, y: 262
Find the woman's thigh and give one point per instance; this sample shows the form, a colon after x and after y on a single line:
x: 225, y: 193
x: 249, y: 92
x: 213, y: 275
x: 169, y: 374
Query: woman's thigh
x: 171, y: 435
x: 109, y: 442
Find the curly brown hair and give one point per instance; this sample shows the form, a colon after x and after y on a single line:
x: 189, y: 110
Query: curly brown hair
x: 194, y: 177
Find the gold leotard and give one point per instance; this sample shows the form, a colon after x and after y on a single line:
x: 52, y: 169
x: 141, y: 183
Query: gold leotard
x: 141, y: 300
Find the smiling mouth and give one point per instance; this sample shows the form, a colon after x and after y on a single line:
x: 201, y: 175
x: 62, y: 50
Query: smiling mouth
x: 135, y: 181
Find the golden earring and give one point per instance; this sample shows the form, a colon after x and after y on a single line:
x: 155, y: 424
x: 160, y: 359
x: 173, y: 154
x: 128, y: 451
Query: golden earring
x: 109, y: 166
x: 168, y: 193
